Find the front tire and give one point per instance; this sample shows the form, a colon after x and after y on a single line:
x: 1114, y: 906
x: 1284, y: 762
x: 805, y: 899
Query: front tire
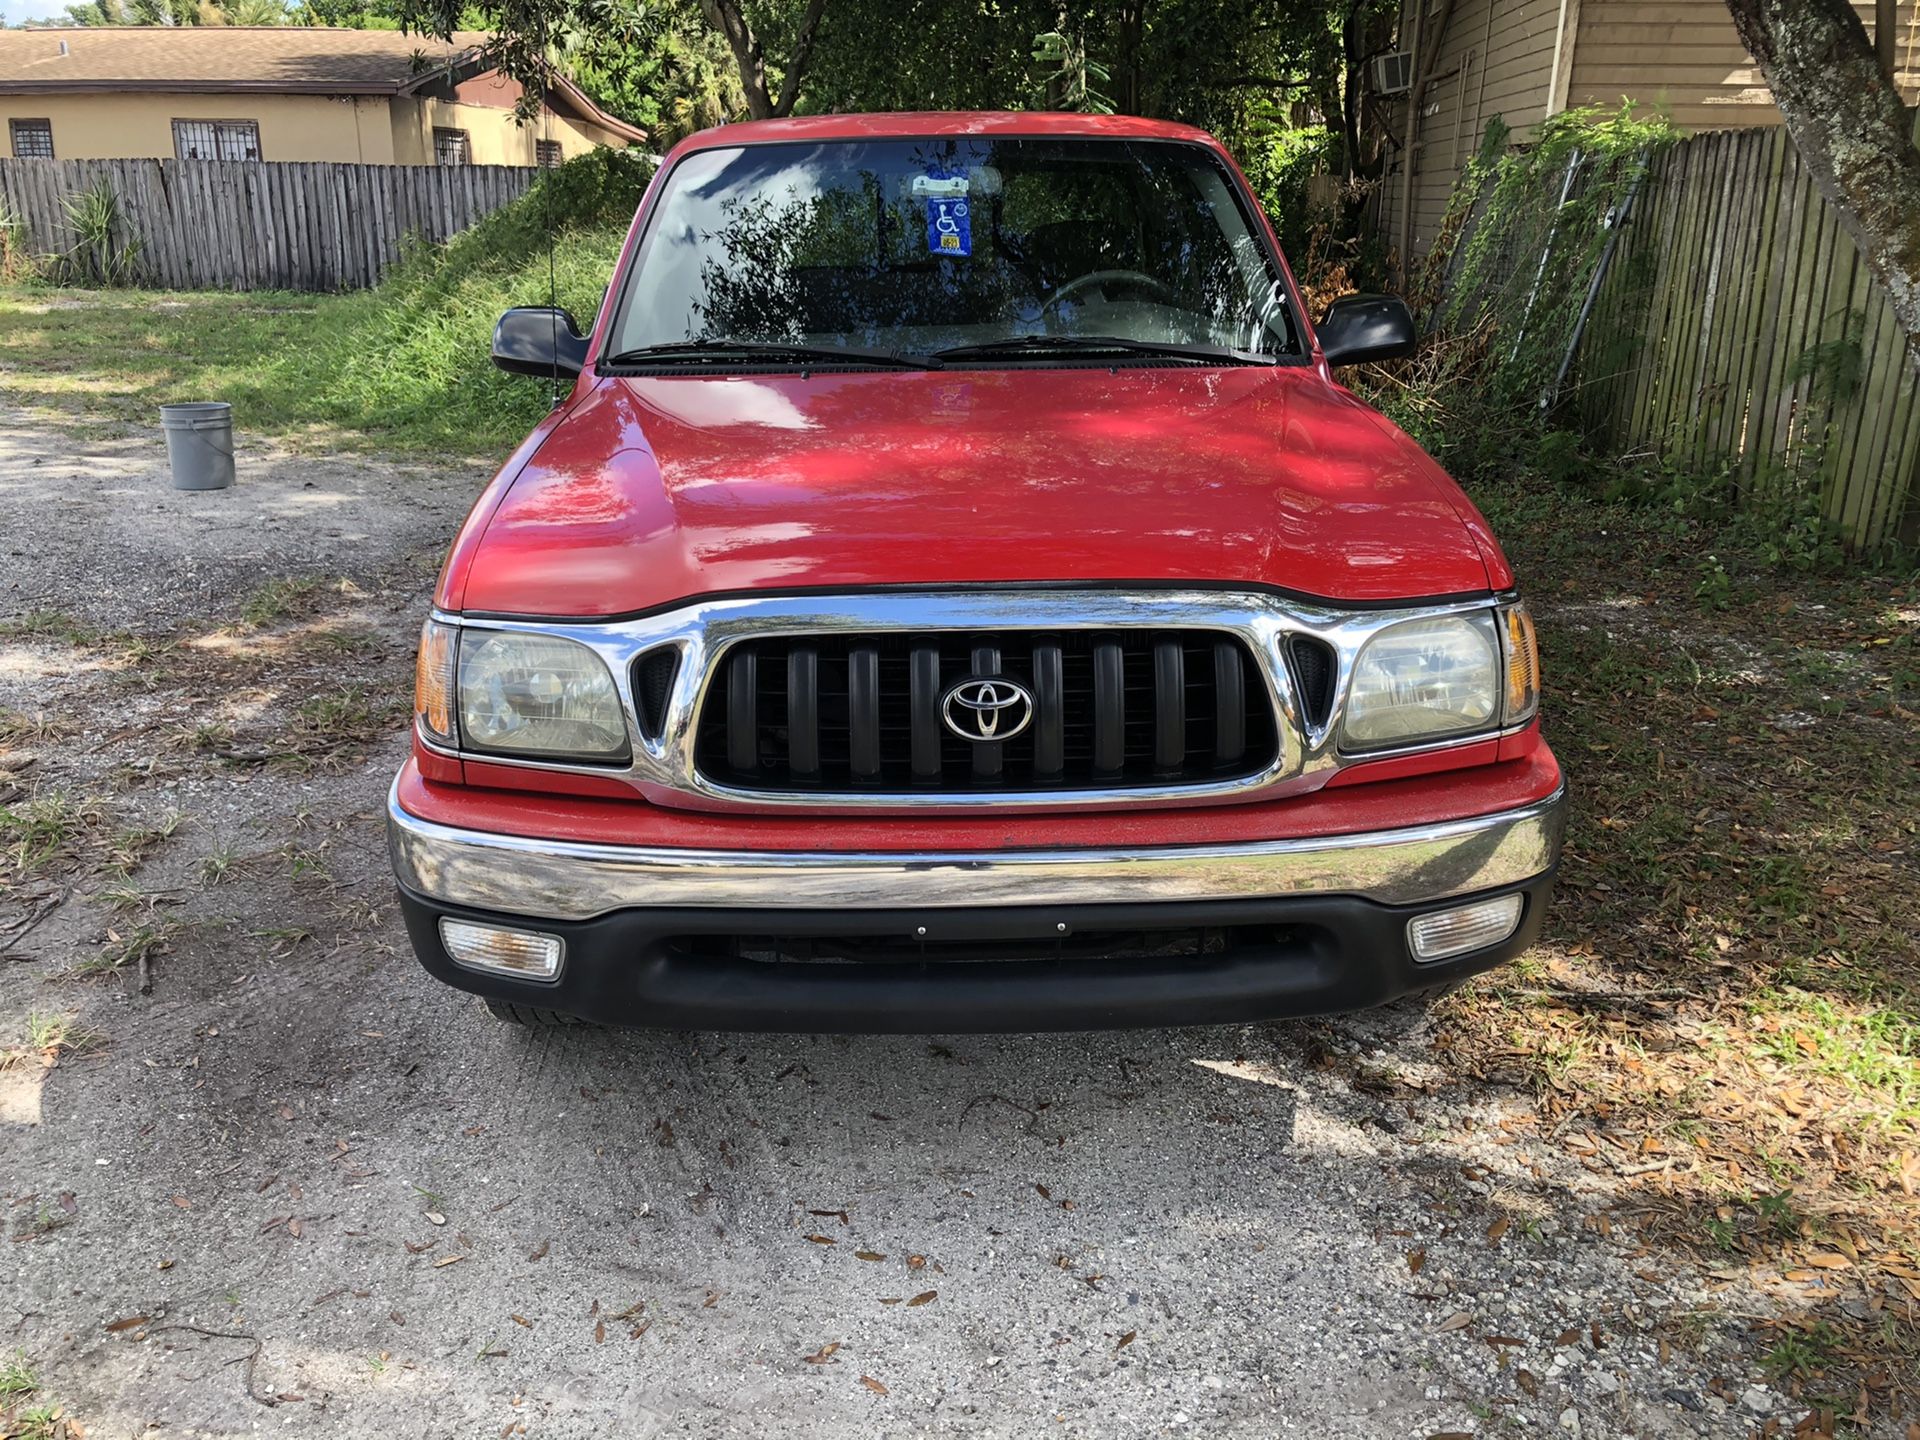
x: 532, y: 1017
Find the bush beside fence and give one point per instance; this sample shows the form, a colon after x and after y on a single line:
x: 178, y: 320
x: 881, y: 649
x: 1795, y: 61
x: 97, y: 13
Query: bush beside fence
x: 1738, y: 327
x: 255, y: 225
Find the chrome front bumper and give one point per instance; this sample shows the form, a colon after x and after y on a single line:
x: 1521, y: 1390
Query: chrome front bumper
x: 556, y: 880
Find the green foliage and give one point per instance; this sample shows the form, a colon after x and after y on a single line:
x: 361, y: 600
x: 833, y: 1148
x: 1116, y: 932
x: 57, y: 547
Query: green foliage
x: 411, y: 355
x: 105, y: 251
x: 667, y: 73
x: 1835, y: 367
x: 17, y: 261
x: 1525, y: 229
x: 1279, y: 162
x: 1069, y: 76
x: 179, y: 12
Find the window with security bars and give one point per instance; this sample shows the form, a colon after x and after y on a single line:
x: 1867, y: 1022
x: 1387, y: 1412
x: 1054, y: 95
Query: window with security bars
x: 32, y: 139
x: 547, y: 153
x: 216, y: 139
x: 450, y: 147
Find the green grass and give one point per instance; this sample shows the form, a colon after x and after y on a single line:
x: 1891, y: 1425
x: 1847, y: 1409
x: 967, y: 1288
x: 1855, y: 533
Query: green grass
x: 1874, y: 1048
x: 400, y: 367
x: 37, y: 830
x: 17, y: 1380
x: 280, y: 598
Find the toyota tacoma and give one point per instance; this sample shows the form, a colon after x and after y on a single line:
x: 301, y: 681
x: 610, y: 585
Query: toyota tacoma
x: 953, y: 593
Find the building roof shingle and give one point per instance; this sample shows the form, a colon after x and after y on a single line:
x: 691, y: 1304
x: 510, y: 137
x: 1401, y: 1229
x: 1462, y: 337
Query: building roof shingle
x: 216, y: 58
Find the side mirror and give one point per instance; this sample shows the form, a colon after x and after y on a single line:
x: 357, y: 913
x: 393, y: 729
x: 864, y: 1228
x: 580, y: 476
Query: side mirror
x: 1368, y: 327
x: 538, y: 340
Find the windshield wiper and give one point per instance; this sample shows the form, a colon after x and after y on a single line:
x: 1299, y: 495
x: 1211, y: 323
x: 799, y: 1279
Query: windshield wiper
x: 710, y: 352
x: 1109, y: 344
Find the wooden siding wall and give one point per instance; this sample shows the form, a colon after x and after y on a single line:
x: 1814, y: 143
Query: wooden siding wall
x: 1495, y: 59
x: 233, y: 225
x: 1685, y: 56
x: 1730, y: 270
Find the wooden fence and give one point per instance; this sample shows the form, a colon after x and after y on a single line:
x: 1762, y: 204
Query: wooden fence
x: 254, y: 225
x: 1738, y: 326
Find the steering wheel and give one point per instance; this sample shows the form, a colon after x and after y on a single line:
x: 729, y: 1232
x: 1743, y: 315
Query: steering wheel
x: 1103, y: 278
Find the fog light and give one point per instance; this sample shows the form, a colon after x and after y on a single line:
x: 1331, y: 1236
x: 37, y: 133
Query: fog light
x: 1470, y: 927
x: 523, y: 954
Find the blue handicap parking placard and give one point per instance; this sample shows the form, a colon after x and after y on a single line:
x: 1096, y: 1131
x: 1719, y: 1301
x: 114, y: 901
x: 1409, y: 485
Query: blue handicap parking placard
x: 948, y: 231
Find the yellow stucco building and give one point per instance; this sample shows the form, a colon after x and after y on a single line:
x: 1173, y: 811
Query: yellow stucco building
x: 375, y: 97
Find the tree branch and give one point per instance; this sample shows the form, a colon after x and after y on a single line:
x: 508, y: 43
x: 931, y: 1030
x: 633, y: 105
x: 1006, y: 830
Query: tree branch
x: 725, y: 16
x: 802, y: 53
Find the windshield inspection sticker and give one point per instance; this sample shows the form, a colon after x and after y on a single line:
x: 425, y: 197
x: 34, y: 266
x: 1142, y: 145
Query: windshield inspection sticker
x: 949, y: 232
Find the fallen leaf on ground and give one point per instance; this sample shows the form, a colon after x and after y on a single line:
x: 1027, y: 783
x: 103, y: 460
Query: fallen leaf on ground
x: 874, y: 1385
x: 1415, y: 1260
x: 1454, y: 1321
x: 446, y: 1260
x: 868, y: 1255
x: 1498, y: 1228
x: 521, y: 1320
x: 822, y: 1240
x: 822, y: 1356
x: 131, y: 1322
x: 1126, y: 1340
x: 925, y: 1297
x: 183, y: 1202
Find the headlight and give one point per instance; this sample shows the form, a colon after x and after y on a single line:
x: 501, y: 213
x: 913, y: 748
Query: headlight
x: 1425, y: 680
x: 538, y: 695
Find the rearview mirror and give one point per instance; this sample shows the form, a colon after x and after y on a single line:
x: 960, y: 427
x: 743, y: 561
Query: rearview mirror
x: 1368, y: 327
x: 539, y: 340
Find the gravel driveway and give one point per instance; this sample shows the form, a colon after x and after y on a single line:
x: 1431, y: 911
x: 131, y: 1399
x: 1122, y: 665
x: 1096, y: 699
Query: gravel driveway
x: 276, y: 1179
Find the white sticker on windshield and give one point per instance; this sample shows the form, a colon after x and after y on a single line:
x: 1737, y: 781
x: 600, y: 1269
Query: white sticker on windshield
x: 944, y: 187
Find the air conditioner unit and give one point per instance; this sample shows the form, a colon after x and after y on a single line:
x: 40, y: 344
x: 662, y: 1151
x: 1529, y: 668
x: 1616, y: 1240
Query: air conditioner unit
x: 1393, y: 72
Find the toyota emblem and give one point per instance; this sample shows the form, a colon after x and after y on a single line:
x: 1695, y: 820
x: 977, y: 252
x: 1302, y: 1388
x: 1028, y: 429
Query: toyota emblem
x: 987, y: 710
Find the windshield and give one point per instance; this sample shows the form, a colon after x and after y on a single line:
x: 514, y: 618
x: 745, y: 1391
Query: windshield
x: 952, y: 243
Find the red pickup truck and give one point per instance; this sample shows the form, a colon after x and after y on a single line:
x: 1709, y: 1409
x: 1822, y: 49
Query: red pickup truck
x: 954, y: 594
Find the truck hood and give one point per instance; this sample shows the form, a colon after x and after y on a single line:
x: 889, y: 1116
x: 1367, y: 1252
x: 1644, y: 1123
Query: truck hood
x: 649, y: 491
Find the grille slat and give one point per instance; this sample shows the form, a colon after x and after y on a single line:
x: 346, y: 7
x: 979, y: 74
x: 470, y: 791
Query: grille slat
x: 924, y: 692
x: 1050, y: 714
x: 1230, y: 709
x: 743, y: 711
x: 1109, y: 708
x: 862, y: 712
x: 1169, y: 706
x: 803, y: 712
x: 988, y: 760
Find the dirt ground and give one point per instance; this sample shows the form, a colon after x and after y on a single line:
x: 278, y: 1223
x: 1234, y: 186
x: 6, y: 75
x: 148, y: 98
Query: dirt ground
x: 258, y: 1172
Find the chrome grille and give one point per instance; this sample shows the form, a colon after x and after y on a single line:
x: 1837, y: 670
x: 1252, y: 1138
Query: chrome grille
x: 1112, y: 708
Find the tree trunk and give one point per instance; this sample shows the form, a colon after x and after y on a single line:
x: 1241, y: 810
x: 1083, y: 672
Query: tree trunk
x: 762, y: 104
x: 1853, y: 134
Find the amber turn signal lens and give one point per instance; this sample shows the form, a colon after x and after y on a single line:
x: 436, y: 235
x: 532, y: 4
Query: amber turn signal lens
x: 433, y: 681
x: 1523, y: 663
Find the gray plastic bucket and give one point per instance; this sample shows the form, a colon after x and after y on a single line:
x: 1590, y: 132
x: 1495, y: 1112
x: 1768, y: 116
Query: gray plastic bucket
x: 199, y: 444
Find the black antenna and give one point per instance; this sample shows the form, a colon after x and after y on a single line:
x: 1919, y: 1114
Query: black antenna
x: 546, y: 206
